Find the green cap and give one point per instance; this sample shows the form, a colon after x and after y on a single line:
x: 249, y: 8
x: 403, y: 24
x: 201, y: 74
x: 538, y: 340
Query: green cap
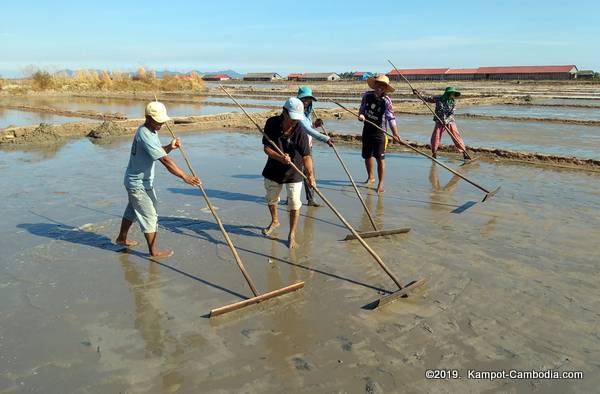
x: 451, y: 89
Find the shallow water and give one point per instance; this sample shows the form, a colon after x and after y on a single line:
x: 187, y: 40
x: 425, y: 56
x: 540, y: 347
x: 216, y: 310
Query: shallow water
x: 260, y: 85
x: 540, y: 137
x: 258, y: 100
x: 9, y: 117
x: 595, y: 102
x: 131, y: 108
x: 534, y: 112
x: 512, y: 283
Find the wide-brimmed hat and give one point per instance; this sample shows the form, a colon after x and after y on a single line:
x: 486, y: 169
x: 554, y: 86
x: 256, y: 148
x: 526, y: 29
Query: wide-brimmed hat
x: 305, y: 91
x: 451, y: 89
x: 295, y: 108
x: 383, y: 79
x: 157, y: 111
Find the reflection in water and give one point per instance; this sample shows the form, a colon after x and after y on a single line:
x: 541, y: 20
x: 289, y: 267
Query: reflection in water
x: 489, y: 227
x: 147, y: 317
x: 306, y: 235
x: 439, y: 195
x: 292, y: 333
x: 146, y: 297
x: 378, y: 214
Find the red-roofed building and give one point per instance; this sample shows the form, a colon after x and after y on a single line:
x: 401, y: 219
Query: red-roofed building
x: 294, y: 76
x: 528, y: 72
x: 361, y: 75
x: 216, y: 77
x: 487, y: 73
x: 457, y: 74
x: 418, y: 74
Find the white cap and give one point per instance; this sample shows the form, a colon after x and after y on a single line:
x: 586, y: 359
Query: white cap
x: 295, y: 108
x: 157, y: 111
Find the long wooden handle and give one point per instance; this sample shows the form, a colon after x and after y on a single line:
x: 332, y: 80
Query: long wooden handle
x: 352, y: 181
x: 427, y: 105
x: 236, y: 256
x: 327, y: 202
x: 418, y: 151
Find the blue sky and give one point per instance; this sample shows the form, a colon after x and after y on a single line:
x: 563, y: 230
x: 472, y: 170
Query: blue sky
x: 286, y: 36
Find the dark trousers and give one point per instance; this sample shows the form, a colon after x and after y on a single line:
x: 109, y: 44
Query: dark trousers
x: 309, y: 192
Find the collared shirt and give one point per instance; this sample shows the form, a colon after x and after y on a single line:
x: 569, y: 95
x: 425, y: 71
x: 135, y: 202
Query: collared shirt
x: 145, y: 150
x: 295, y: 145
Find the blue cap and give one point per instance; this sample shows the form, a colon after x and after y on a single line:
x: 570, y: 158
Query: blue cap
x: 295, y: 108
x: 305, y: 91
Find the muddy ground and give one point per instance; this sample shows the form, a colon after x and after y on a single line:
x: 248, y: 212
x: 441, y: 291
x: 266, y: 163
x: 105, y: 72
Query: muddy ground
x: 512, y: 283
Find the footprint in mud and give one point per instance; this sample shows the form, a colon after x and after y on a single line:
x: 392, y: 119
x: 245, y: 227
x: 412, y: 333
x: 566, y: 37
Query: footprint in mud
x: 248, y: 331
x: 301, y: 364
x: 372, y: 387
x: 346, y: 344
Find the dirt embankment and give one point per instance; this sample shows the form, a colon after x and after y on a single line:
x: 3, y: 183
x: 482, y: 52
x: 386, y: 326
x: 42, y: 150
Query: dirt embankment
x: 19, y: 137
x: 31, y: 135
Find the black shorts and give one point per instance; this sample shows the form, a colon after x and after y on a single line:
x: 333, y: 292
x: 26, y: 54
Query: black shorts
x: 373, y: 147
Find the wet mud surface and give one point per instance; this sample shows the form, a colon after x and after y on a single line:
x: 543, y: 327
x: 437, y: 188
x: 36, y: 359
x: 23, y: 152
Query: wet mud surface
x: 512, y: 283
x: 558, y: 139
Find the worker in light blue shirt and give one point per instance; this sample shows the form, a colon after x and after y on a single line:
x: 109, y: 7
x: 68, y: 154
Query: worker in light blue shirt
x: 146, y: 149
x: 306, y: 96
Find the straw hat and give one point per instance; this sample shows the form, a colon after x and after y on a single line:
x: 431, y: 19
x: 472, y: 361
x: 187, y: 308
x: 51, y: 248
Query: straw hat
x: 383, y: 79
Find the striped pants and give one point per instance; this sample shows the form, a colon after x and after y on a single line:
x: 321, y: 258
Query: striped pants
x: 436, y: 137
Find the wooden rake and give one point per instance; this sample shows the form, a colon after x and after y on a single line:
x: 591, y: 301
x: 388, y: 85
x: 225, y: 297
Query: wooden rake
x: 367, y: 234
x: 402, y: 290
x: 257, y: 296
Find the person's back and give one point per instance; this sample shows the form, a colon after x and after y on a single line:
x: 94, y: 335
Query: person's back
x: 145, y: 150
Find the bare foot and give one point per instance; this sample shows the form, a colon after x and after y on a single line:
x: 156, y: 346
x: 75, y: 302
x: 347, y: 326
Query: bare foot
x: 370, y: 180
x: 292, y: 244
x: 161, y: 254
x: 270, y: 229
x: 380, y: 189
x: 127, y: 242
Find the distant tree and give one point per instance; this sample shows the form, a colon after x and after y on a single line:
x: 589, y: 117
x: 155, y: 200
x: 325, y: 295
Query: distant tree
x: 347, y: 74
x: 597, y: 76
x: 42, y: 79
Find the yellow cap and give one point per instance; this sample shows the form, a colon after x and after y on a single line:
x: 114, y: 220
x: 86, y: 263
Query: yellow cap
x: 157, y: 111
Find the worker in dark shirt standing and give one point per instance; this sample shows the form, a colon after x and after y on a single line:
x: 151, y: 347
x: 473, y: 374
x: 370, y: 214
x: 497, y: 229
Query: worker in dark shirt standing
x: 376, y: 106
x: 285, y: 132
